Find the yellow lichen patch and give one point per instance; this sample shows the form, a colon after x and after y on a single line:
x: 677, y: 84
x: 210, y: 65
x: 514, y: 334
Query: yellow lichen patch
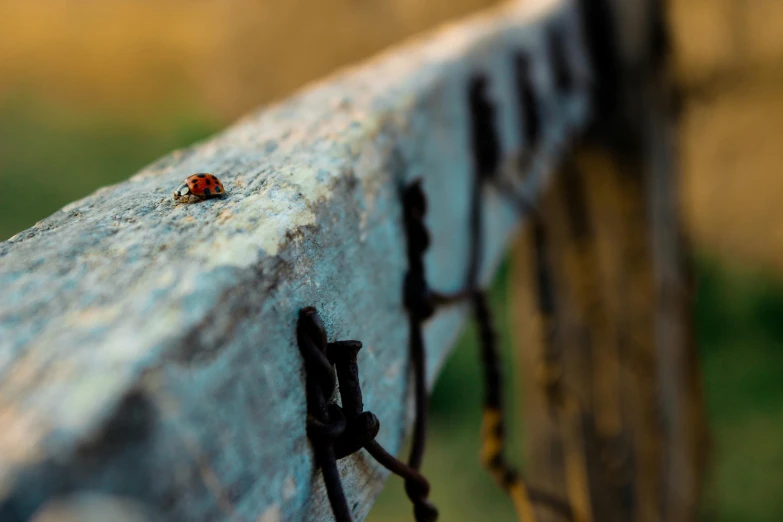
x: 289, y: 487
x: 94, y: 315
x: 272, y: 514
x: 224, y: 216
x: 18, y: 441
x: 492, y: 444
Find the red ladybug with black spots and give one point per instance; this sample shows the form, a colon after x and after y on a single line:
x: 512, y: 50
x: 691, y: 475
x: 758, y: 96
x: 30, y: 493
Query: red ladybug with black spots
x: 199, y: 187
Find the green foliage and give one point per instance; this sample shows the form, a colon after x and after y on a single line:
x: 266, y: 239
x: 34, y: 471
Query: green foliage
x: 51, y: 155
x: 740, y: 328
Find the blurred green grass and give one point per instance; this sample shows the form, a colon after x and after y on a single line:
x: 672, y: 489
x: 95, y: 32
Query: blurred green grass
x: 51, y: 154
x: 63, y: 154
x: 739, y: 318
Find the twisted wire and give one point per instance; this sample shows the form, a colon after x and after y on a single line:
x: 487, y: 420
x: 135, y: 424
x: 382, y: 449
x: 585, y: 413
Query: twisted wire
x: 420, y: 305
x: 325, y: 422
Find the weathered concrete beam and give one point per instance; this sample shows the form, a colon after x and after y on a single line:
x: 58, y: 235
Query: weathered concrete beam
x: 147, y: 348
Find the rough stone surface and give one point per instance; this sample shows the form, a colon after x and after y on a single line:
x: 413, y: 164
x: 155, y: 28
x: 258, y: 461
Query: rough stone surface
x: 147, y: 348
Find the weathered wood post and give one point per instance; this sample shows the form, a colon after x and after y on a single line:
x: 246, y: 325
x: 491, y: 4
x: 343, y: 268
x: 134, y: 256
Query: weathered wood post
x: 622, y: 320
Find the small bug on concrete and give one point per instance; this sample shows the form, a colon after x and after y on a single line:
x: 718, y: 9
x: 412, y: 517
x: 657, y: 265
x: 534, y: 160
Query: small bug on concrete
x: 199, y: 187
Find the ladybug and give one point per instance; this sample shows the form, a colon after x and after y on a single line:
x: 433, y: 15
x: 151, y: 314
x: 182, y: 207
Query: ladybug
x: 199, y: 187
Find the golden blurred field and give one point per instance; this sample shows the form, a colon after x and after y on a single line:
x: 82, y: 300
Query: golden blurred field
x: 224, y: 55
x: 730, y: 55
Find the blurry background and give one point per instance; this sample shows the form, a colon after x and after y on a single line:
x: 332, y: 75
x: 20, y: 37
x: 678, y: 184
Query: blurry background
x: 91, y: 91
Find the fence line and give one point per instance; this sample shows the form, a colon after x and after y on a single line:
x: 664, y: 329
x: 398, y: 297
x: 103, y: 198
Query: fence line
x: 149, y: 347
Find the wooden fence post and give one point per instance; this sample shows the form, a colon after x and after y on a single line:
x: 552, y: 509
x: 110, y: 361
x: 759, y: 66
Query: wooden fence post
x: 622, y: 283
